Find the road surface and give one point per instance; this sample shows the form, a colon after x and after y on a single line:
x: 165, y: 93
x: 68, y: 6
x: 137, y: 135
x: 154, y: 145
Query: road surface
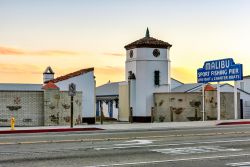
x: 217, y: 146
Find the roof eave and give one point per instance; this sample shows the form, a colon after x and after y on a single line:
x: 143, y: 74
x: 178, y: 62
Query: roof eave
x: 71, y: 75
x: 128, y: 47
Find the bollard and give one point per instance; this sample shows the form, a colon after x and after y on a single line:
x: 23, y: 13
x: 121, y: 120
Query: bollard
x: 12, y: 123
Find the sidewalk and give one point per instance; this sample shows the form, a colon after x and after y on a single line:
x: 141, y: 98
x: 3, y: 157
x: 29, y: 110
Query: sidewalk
x: 119, y: 126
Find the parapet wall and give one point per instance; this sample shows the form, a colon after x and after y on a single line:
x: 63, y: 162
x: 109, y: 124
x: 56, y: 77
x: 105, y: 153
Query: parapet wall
x: 174, y: 107
x: 57, y: 108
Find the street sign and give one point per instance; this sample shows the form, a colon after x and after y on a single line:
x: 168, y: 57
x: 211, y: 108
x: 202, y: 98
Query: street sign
x: 220, y: 70
x: 217, y: 71
x: 72, y: 89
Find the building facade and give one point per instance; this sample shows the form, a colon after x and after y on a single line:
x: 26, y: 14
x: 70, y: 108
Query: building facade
x: 85, y: 82
x: 147, y: 70
x: 107, y: 100
x: 49, y: 103
x: 38, y: 106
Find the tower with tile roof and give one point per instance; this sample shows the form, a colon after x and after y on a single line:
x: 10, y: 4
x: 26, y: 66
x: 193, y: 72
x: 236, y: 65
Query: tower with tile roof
x: 147, y: 72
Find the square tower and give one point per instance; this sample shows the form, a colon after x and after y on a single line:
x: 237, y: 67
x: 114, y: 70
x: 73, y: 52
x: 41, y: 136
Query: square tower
x: 147, y: 72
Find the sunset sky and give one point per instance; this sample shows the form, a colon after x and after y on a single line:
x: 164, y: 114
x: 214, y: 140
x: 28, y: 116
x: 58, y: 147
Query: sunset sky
x: 69, y: 35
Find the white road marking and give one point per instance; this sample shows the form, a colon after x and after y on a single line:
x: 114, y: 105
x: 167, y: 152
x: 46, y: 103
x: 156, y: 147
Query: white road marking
x: 194, y: 150
x: 243, y: 164
x: 170, y: 160
x: 172, y: 144
x: 135, y: 142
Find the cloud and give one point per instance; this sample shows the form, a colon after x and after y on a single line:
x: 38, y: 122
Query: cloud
x: 10, y: 51
x: 20, y: 73
x: 114, y: 54
x: 19, y: 69
x: 54, y: 53
x: 15, y: 51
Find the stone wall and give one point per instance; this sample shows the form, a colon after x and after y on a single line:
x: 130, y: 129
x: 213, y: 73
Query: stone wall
x: 26, y: 107
x: 176, y: 107
x: 39, y: 108
x: 57, y: 108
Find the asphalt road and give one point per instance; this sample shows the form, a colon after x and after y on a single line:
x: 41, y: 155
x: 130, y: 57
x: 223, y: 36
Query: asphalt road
x: 220, y: 146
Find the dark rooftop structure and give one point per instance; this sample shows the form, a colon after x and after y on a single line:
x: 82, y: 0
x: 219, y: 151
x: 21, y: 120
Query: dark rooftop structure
x: 148, y: 42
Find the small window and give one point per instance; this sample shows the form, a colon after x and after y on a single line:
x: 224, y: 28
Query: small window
x: 131, y: 53
x: 157, y: 78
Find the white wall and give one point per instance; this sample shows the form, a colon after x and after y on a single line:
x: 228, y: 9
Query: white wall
x: 246, y: 84
x: 132, y: 92
x: 244, y: 96
x: 143, y: 66
x: 106, y: 111
x: 86, y: 84
x: 246, y: 103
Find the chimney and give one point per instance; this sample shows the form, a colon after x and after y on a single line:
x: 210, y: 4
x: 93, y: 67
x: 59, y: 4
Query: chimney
x: 48, y: 74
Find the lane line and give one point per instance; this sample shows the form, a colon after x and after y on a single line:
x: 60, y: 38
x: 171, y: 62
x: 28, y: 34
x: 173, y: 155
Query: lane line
x: 170, y: 160
x: 173, y: 144
x: 238, y: 164
x: 108, y: 148
x: 135, y: 142
x: 194, y: 150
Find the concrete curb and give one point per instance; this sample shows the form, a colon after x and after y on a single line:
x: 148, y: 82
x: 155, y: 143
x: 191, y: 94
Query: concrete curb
x: 235, y: 123
x: 48, y: 130
x: 125, y: 127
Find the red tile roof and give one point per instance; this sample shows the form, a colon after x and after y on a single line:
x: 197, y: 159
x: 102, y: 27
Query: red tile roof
x: 71, y: 75
x: 209, y: 88
x: 148, y: 42
x: 50, y: 85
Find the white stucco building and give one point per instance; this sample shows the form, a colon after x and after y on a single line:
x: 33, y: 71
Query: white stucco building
x: 147, y: 71
x: 107, y: 96
x: 85, y: 82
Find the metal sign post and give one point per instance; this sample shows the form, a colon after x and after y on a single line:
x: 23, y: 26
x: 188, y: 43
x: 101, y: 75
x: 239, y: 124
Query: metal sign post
x: 203, y: 102
x: 71, y: 111
x: 218, y: 101
x: 221, y: 70
x: 72, y: 93
x: 235, y: 101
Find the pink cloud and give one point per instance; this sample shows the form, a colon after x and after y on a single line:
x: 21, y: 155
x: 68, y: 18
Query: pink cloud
x: 10, y: 51
x: 14, y: 51
x: 19, y: 68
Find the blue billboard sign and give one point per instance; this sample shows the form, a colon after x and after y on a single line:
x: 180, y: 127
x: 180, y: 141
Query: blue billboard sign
x: 220, y: 70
